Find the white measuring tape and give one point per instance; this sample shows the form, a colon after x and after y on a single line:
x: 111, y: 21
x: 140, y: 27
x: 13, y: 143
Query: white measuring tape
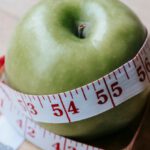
x: 90, y: 100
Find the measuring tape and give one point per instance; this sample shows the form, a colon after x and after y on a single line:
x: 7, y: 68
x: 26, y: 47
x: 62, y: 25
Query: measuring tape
x: 99, y: 96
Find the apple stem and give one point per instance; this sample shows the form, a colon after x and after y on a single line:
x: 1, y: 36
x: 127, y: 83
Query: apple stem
x: 81, y: 29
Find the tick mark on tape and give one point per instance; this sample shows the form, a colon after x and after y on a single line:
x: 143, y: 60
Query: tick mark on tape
x: 126, y: 72
x: 119, y: 70
x: 83, y: 93
x: 54, y: 96
x: 49, y: 98
x: 44, y: 133
x: 144, y: 50
x: 112, y: 101
x: 71, y: 94
x: 129, y: 65
x: 94, y: 86
x: 115, y: 75
x: 29, y: 98
x: 134, y: 63
x: 5, y: 93
x: 33, y: 97
x: 40, y: 101
x: 99, y: 82
x: 76, y: 91
x: 109, y: 76
x: 65, y: 94
x: 64, y: 108
x: 136, y: 57
x: 87, y: 86
x: 65, y: 142
x: 43, y: 97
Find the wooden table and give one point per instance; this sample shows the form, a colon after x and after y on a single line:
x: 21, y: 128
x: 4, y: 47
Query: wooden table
x: 12, y: 10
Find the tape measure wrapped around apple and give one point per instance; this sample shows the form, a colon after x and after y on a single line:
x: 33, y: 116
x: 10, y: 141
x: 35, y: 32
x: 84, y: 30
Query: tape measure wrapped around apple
x: 21, y: 117
x: 68, y: 46
x: 99, y: 96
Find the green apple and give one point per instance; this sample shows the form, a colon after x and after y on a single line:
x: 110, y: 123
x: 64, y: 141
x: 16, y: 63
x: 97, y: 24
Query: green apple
x: 64, y: 44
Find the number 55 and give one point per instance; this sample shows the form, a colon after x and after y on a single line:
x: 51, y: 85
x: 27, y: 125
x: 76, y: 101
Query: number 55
x: 116, y: 91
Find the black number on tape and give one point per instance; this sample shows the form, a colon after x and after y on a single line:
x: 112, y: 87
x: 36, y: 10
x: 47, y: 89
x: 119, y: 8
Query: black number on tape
x: 56, y: 146
x: 72, y: 108
x: 32, y: 109
x: 141, y: 71
x: 102, y: 98
x: 31, y: 132
x: 57, y: 111
x: 147, y: 64
x: 141, y: 74
x: 116, y: 89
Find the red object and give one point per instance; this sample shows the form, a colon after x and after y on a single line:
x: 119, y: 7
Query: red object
x: 2, y: 61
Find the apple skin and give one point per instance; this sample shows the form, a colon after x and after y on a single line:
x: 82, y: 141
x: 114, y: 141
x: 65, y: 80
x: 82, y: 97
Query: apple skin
x: 46, y: 56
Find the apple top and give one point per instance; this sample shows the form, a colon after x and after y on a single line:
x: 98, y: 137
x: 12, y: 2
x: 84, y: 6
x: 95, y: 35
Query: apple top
x: 64, y: 44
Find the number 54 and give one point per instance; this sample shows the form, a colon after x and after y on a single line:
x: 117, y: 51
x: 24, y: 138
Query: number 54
x: 59, y: 112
